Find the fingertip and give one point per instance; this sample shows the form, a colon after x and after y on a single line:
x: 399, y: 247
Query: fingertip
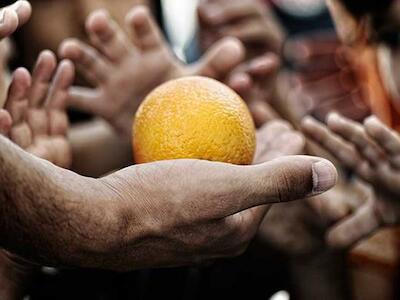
x: 97, y: 21
x: 67, y: 70
x: 22, y: 77
x: 138, y: 16
x: 48, y: 58
x: 334, y: 120
x: 307, y: 122
x: 265, y: 64
x: 69, y: 49
x: 234, y: 49
x: 5, y: 122
x: 372, y: 121
x: 240, y: 82
x: 24, y: 11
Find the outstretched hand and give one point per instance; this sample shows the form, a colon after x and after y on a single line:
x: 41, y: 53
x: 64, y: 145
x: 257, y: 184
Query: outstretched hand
x: 35, y: 111
x: 256, y: 82
x: 124, y: 68
x: 371, y: 150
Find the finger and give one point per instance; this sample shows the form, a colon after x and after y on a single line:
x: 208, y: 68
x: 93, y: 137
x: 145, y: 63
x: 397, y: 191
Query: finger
x: 264, y: 65
x: 23, y: 10
x: 61, y: 152
x: 386, y: 138
x: 13, y: 16
x: 145, y: 34
x: 241, y: 82
x: 222, y: 58
x: 224, y: 12
x: 355, y: 134
x: 8, y: 22
x: 62, y: 81
x: 107, y: 35
x: 281, y: 180
x: 254, y: 32
x: 41, y: 78
x: 356, y: 227
x: 262, y: 112
x: 5, y: 122
x: 17, y: 98
x: 88, y: 61
x: 339, y: 148
x: 85, y: 99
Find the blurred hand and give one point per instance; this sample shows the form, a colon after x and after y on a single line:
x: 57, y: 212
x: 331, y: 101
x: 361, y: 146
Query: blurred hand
x: 250, y: 21
x: 124, y: 69
x: 324, y: 79
x: 35, y: 115
x: 255, y: 81
x: 372, y: 151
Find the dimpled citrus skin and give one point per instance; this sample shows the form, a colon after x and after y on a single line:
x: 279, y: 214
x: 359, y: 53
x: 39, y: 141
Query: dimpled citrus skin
x: 194, y: 118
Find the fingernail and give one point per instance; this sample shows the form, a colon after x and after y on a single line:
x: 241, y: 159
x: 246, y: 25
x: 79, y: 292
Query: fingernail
x: 324, y: 176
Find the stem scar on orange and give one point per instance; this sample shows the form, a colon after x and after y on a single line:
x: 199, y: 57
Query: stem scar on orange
x: 194, y: 118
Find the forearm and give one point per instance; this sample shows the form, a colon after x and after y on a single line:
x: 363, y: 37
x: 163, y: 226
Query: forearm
x: 47, y: 214
x: 97, y: 150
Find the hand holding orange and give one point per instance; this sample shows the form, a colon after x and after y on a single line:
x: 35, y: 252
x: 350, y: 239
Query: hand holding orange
x: 194, y: 118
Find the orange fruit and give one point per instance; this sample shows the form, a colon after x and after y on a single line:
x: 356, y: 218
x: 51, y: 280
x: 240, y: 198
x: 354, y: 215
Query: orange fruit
x: 194, y: 118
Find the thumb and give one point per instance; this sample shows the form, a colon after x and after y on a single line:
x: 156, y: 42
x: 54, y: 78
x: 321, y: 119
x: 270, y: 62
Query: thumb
x: 221, y: 59
x: 284, y: 179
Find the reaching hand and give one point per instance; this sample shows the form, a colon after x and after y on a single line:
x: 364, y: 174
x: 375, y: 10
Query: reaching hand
x: 324, y: 79
x: 372, y: 151
x: 34, y: 116
x: 255, y: 81
x: 250, y: 21
x: 124, y: 69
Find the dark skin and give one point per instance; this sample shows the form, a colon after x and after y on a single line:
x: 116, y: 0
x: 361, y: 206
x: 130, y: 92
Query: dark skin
x: 115, y: 220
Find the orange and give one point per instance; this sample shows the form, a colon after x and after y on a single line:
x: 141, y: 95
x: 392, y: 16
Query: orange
x: 194, y: 118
